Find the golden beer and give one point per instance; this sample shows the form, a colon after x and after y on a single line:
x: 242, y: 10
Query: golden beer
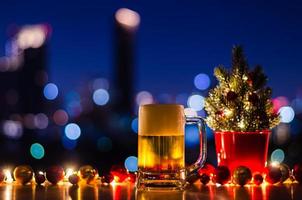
x: 161, y: 153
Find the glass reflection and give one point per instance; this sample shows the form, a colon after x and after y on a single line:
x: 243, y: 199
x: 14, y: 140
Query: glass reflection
x: 155, y: 195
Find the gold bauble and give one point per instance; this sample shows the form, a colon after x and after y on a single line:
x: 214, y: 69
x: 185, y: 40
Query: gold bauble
x: 23, y: 174
x: 88, y: 173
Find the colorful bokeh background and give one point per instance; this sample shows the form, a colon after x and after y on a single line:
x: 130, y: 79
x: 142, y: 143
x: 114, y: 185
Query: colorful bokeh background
x: 74, y: 73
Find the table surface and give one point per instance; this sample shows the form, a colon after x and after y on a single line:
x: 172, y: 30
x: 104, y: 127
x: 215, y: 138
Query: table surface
x: 128, y: 192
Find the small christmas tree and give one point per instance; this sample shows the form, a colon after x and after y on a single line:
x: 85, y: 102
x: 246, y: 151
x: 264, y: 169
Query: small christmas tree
x: 241, y: 101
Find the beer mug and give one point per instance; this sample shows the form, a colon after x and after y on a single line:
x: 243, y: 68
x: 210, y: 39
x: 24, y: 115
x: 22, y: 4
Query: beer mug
x: 161, y: 147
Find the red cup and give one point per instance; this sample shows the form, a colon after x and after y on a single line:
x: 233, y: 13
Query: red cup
x: 248, y: 149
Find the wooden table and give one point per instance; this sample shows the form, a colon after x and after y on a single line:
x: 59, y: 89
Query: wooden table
x: 127, y: 191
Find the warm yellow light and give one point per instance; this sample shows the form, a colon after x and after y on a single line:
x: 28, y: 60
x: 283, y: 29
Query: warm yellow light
x: 241, y: 124
x: 8, y: 176
x: 31, y: 36
x: 69, y: 172
x: 228, y: 112
x: 127, y: 17
x: 275, y: 164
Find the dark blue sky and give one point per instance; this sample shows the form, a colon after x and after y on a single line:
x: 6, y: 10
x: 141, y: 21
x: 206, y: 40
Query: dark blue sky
x: 176, y: 40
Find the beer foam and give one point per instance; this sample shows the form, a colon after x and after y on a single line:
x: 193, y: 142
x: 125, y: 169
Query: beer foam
x: 161, y: 120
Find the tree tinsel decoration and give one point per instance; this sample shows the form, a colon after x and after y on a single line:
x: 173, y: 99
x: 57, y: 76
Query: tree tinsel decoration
x: 241, y: 101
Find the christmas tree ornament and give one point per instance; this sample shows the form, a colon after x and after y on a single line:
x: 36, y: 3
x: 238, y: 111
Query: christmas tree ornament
x: 205, y: 179
x: 222, y: 175
x: 40, y: 178
x: 131, y: 177
x: 55, y: 174
x: 107, y: 178
x: 119, y: 173
x: 297, y: 172
x: 2, y: 176
x: 207, y: 169
x: 285, y: 171
x: 88, y: 173
x: 242, y: 175
x: 258, y: 178
x: 23, y: 174
x: 273, y: 174
x: 74, y: 179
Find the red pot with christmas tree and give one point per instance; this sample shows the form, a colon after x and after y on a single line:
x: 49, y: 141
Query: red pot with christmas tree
x: 240, y: 112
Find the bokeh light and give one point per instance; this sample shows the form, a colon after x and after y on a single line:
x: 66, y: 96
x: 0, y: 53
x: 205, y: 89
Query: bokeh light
x: 196, y: 102
x: 202, y: 81
x: 60, y: 117
x: 41, y: 121
x: 134, y: 125
x: 287, y: 114
x: 104, y: 144
x: 100, y: 97
x: 279, y: 102
x: 72, y: 131
x: 143, y: 98
x: 277, y: 156
x: 131, y: 164
x: 37, y: 151
x: 50, y: 91
x: 190, y: 112
x: 12, y: 129
x: 69, y: 171
x: 281, y: 134
x: 31, y: 36
x: 127, y: 17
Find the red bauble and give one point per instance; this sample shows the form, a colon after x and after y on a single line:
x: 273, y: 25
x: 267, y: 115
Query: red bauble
x: 274, y: 174
x: 298, y: 173
x: 131, y: 177
x: 107, y: 178
x: 242, y: 175
x: 74, y: 179
x: 55, y: 174
x: 2, y: 176
x: 205, y: 179
x: 119, y: 173
x: 258, y: 179
x: 39, y: 178
x: 222, y: 175
x: 207, y: 169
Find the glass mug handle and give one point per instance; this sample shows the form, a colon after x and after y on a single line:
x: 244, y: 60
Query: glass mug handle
x: 192, y: 170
